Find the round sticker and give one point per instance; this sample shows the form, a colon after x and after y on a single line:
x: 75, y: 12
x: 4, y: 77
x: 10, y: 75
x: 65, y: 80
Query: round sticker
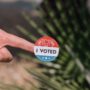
x: 46, y: 49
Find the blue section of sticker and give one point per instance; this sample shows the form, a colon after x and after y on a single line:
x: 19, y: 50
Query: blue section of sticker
x: 46, y: 58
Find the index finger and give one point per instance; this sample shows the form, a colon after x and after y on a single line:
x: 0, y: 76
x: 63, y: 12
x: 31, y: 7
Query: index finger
x: 5, y: 55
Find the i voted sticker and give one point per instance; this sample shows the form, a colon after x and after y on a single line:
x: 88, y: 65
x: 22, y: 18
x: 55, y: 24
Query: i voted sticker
x: 46, y: 49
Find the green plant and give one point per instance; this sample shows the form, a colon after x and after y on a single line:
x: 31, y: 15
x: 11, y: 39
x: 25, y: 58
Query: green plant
x: 68, y: 22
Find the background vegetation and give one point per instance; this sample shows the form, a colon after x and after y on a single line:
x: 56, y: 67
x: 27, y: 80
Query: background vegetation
x: 67, y: 21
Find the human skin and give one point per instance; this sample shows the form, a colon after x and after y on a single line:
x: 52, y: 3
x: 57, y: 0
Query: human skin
x: 7, y: 39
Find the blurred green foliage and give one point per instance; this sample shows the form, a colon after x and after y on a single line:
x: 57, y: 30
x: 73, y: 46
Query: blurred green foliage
x: 67, y: 21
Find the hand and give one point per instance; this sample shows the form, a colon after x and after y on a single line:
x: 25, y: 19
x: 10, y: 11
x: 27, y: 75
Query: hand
x: 7, y: 39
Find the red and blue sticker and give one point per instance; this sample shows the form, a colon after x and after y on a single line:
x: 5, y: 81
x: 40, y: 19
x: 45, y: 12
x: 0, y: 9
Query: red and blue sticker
x: 46, y: 49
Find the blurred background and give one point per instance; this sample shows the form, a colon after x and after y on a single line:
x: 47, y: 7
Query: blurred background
x: 10, y: 12
x: 68, y: 22
x: 13, y: 73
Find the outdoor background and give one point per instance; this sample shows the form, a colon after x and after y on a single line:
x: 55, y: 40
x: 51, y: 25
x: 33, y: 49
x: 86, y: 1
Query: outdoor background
x: 68, y: 22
